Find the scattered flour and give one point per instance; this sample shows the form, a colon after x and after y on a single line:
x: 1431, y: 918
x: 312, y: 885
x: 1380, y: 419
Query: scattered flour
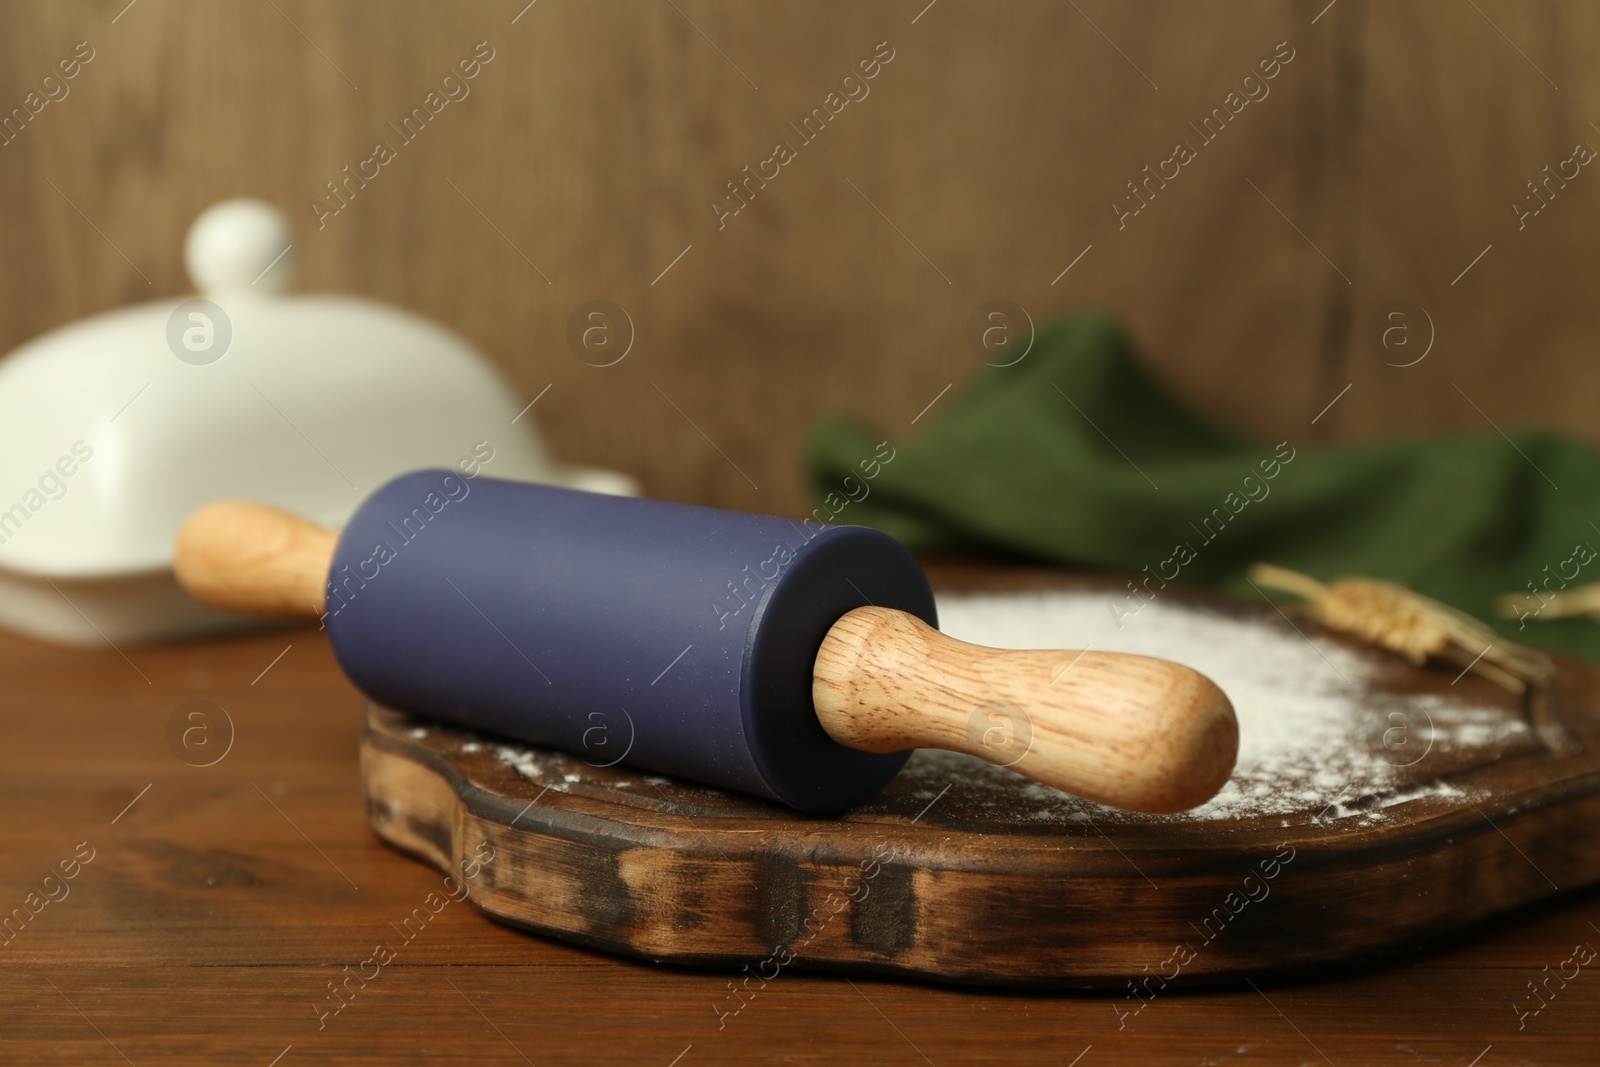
x: 1309, y: 734
x: 525, y: 762
x: 554, y: 770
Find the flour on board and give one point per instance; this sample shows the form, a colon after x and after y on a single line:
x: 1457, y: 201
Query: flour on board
x: 1305, y: 716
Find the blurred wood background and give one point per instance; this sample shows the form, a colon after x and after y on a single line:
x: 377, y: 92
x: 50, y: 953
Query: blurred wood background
x: 983, y: 162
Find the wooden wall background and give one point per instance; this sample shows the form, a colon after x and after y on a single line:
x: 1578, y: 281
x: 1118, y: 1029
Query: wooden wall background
x: 1392, y: 145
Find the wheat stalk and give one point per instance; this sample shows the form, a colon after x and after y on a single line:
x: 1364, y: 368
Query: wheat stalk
x: 1414, y: 626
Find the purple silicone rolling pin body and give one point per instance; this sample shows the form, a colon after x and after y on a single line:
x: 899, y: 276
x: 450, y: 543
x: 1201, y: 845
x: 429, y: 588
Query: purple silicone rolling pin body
x: 670, y: 637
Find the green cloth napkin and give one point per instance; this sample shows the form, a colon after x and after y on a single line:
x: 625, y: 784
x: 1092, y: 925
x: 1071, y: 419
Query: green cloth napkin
x: 1075, y: 456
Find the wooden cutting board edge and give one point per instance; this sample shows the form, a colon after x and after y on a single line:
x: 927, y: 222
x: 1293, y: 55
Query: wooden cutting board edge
x: 1350, y: 897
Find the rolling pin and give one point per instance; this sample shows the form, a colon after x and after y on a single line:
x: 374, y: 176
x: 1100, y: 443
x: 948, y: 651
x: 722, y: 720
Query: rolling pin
x: 791, y: 660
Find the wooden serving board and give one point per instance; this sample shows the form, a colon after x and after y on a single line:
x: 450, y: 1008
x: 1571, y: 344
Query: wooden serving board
x: 965, y: 872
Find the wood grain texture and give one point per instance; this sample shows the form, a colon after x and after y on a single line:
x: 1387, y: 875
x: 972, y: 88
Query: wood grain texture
x: 1133, y: 732
x: 983, y: 164
x: 255, y: 560
x: 213, y: 918
x: 1464, y: 107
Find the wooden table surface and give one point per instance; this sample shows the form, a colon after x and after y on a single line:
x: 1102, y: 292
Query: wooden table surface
x: 220, y: 902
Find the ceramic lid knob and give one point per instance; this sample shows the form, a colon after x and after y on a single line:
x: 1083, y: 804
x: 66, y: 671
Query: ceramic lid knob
x: 240, y: 245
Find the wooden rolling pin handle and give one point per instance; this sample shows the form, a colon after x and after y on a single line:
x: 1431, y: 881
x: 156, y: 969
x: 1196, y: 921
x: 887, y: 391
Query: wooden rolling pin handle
x: 254, y: 560
x: 1133, y: 732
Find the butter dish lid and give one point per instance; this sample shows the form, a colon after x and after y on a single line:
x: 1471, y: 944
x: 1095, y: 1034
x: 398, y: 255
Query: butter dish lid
x: 114, y: 428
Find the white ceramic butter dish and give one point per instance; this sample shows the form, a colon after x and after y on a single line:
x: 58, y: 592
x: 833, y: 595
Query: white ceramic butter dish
x: 116, y: 427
